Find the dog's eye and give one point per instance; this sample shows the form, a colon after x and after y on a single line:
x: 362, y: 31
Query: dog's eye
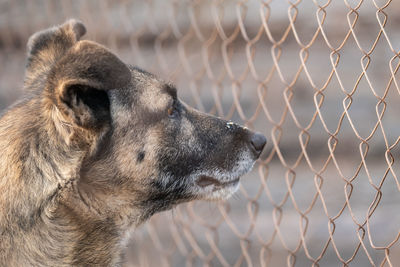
x: 173, y: 111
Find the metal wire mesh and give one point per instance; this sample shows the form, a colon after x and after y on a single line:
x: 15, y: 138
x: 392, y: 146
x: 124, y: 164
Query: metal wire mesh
x: 319, y: 78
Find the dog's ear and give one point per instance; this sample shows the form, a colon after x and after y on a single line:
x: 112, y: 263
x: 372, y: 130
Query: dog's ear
x: 79, y: 81
x: 47, y: 46
x: 76, y: 74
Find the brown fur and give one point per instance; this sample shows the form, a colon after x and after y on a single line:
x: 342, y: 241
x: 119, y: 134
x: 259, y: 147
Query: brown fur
x: 95, y: 148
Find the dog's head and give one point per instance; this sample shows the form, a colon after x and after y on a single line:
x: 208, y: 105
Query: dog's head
x: 144, y: 146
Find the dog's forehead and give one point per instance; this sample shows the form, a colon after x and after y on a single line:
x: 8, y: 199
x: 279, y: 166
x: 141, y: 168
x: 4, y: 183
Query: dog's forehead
x: 146, y: 93
x: 152, y: 92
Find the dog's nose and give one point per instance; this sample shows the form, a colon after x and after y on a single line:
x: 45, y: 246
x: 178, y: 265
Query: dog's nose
x: 258, y: 142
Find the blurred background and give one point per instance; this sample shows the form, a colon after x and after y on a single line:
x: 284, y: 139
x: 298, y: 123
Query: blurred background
x: 318, y: 78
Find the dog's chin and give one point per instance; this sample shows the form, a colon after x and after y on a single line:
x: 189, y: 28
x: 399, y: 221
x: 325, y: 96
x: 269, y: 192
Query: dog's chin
x: 210, y: 188
x: 222, y: 184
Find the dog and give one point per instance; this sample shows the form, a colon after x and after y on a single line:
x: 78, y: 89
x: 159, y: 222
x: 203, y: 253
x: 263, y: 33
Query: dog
x: 95, y: 147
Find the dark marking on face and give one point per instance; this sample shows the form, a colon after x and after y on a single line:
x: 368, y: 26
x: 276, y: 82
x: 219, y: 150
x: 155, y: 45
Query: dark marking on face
x: 140, y: 156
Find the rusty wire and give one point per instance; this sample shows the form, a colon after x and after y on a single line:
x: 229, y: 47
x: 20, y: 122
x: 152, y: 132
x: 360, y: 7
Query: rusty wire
x: 307, y: 74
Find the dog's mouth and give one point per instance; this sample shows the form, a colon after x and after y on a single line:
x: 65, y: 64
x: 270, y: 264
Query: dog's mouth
x: 204, y: 181
x: 219, y: 184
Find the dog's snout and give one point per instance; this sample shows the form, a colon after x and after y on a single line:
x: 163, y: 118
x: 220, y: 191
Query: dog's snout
x: 258, y: 142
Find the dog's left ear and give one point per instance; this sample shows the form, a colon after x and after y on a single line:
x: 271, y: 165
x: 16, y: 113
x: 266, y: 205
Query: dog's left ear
x: 79, y: 82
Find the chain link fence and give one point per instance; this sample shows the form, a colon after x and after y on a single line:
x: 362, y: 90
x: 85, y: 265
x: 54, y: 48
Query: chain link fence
x: 318, y: 78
